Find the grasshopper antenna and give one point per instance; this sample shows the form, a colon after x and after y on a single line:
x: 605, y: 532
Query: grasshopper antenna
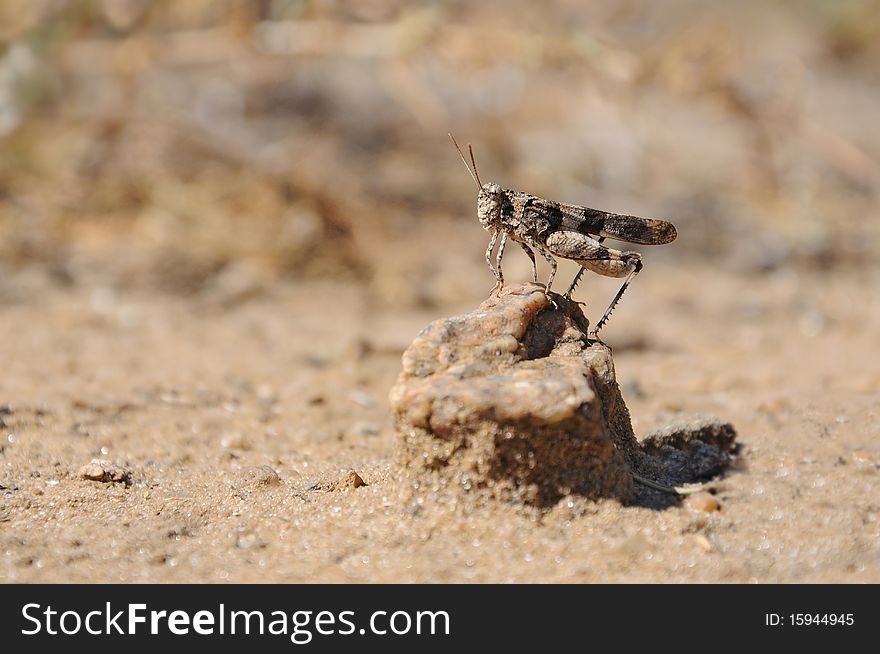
x: 473, y: 172
x: 474, y: 163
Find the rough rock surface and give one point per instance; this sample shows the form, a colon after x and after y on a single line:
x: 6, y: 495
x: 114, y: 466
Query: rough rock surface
x: 513, y: 401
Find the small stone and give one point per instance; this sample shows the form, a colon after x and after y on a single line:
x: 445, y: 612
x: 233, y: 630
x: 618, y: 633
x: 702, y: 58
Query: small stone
x: 703, y: 501
x: 704, y: 542
x: 349, y: 481
x: 360, y: 397
x: 865, y: 459
x: 104, y: 471
x: 259, y: 476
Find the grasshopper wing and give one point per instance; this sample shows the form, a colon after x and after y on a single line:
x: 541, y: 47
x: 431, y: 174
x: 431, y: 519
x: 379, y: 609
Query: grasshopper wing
x: 632, y: 229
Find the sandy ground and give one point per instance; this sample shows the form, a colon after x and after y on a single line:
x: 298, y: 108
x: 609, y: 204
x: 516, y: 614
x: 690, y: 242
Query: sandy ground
x: 191, y: 396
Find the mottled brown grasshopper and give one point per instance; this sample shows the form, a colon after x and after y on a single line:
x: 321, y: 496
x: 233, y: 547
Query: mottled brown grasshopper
x: 562, y: 230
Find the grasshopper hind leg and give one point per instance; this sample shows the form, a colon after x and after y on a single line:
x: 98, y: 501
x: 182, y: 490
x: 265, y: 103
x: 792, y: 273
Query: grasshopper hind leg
x: 594, y: 256
x: 574, y: 283
x: 636, y: 270
x: 577, y: 277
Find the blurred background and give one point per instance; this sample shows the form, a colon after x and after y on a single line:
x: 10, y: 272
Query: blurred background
x: 223, y: 147
x: 222, y: 223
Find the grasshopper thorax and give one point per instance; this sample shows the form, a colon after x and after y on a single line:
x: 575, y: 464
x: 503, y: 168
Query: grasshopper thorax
x: 489, y: 204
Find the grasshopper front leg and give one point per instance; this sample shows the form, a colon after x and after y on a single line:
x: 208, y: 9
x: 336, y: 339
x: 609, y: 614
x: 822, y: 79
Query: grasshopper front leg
x: 592, y: 255
x: 498, y: 258
x: 499, y: 280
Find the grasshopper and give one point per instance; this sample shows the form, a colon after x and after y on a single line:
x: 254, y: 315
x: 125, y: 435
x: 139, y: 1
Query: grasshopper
x: 568, y: 231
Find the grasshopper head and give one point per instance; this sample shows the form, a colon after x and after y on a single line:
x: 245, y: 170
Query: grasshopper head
x: 489, y: 203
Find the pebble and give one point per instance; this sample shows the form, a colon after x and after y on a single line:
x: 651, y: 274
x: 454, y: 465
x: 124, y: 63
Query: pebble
x: 703, y: 501
x: 104, y: 471
x: 348, y: 481
x: 704, y: 542
x: 360, y: 397
x: 259, y: 476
